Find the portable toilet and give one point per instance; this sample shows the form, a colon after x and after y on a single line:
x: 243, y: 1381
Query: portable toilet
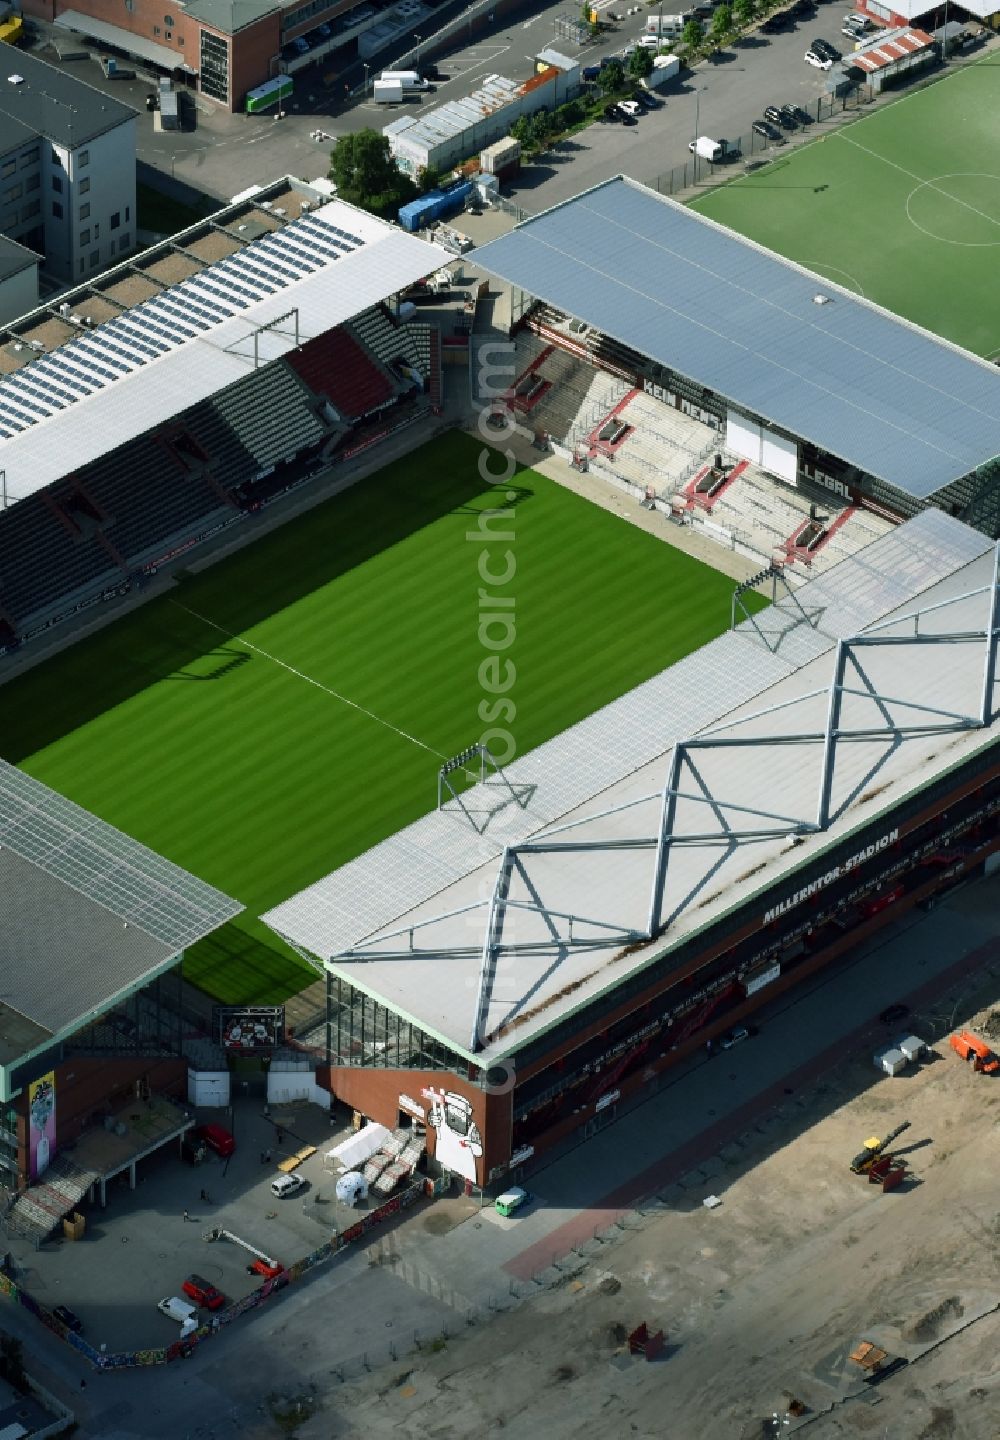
x: 911, y: 1045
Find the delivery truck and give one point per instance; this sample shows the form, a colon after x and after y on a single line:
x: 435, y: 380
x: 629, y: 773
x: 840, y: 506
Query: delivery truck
x: 667, y: 27
x: 387, y: 92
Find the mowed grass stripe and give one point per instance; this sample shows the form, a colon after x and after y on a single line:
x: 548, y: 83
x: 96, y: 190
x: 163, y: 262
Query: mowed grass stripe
x: 259, y: 781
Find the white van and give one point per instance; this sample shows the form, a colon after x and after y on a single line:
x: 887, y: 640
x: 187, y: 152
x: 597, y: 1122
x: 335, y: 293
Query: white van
x: 667, y: 27
x: 409, y: 80
x: 177, y: 1309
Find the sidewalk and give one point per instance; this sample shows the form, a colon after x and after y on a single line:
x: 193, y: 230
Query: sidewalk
x: 710, y: 1101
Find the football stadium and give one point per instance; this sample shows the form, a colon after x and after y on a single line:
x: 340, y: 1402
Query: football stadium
x: 317, y: 699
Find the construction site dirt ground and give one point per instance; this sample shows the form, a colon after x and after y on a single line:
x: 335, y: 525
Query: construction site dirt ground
x: 761, y: 1298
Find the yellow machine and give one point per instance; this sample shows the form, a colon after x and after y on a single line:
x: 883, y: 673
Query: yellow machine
x: 874, y: 1147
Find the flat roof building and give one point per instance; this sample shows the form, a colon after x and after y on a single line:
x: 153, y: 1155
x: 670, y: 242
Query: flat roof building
x: 67, y: 167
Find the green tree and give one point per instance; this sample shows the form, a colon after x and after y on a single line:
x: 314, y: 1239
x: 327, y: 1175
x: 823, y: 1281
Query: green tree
x: 694, y: 34
x: 521, y: 129
x: 366, y: 174
x: 611, y: 78
x: 570, y: 114
x: 12, y: 1362
x: 744, y: 11
x: 541, y: 127
x: 428, y: 179
x: 640, y: 64
x: 722, y: 22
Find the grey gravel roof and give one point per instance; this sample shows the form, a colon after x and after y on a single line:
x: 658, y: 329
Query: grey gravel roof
x: 85, y: 911
x: 55, y: 104
x: 877, y: 391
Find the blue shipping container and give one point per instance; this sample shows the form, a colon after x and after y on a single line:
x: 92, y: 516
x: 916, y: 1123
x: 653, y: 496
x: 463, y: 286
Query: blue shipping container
x: 434, y: 206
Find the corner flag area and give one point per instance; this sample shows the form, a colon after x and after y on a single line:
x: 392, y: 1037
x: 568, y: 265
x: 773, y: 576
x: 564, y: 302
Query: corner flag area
x: 269, y: 719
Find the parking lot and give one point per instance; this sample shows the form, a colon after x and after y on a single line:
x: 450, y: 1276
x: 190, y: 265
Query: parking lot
x: 222, y: 154
x: 140, y: 1249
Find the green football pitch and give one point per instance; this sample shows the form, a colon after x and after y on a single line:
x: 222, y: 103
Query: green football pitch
x: 902, y: 207
x: 286, y: 709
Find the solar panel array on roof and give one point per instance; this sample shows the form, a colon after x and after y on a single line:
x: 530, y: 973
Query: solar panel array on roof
x: 96, y: 359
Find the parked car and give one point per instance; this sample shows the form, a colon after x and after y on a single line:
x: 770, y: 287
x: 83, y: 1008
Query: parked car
x: 203, y: 1293
x: 217, y: 1138
x: 630, y: 107
x: 284, y: 1185
x: 324, y: 30
x: 68, y: 1318
x: 735, y: 1037
x: 767, y: 131
x: 795, y: 115
x: 823, y: 47
x: 627, y: 118
x: 512, y: 1200
x: 300, y: 45
x: 644, y: 101
x: 611, y: 112
x: 818, y: 62
x: 772, y: 113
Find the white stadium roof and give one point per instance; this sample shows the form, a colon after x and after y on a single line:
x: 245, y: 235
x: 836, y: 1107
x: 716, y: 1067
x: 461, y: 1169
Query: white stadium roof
x: 407, y: 922
x: 98, y: 390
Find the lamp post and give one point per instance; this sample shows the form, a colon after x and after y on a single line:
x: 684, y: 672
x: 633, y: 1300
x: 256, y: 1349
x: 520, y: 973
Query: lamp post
x: 365, y: 68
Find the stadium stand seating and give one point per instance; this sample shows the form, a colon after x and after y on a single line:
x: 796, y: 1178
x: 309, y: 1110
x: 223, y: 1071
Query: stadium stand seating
x: 148, y: 496
x: 391, y: 342
x: 263, y: 420
x: 578, y: 396
x: 337, y: 367
x: 41, y: 559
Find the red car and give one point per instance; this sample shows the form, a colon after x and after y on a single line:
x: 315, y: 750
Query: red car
x: 217, y: 1138
x: 203, y: 1293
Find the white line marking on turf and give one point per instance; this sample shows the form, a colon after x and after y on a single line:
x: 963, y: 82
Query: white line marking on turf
x: 266, y: 655
x: 921, y: 182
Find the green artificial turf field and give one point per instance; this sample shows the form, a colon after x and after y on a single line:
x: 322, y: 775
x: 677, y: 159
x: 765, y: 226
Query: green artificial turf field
x: 288, y: 708
x: 902, y: 207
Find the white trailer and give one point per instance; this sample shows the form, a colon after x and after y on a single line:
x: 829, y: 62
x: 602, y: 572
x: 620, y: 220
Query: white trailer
x: 665, y: 68
x: 387, y: 92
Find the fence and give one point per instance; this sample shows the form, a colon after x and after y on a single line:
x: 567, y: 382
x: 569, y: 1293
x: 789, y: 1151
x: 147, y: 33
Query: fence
x: 756, y: 150
x: 181, y: 1349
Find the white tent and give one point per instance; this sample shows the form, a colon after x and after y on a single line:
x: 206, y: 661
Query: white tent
x: 357, y: 1148
x: 351, y: 1188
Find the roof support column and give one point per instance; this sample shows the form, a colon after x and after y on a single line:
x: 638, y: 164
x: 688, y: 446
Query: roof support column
x: 830, y: 735
x: 992, y: 640
x: 668, y: 812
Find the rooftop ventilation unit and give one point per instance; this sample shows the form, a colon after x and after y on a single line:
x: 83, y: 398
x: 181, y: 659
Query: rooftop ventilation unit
x: 821, y: 299
x: 15, y: 79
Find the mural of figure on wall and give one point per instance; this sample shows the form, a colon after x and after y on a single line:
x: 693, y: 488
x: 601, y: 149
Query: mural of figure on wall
x: 459, y: 1145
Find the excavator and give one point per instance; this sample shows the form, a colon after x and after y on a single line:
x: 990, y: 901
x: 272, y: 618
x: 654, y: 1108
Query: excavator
x: 874, y: 1147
